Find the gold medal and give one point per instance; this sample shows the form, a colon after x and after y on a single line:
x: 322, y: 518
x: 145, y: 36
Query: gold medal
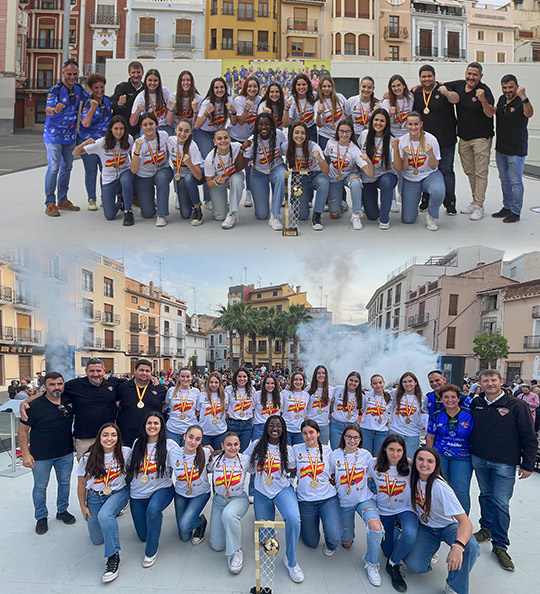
x: 140, y: 404
x: 349, y: 415
x: 380, y: 420
x: 297, y: 416
x: 314, y: 484
x: 333, y: 126
x: 183, y: 416
x: 408, y: 421
x: 189, y: 491
x: 242, y: 414
x: 214, y: 420
x: 226, y: 496
x: 297, y: 191
x: 349, y: 490
x: 339, y: 177
x: 415, y: 171
x: 176, y: 176
x: 426, y: 110
x: 425, y: 518
x: 107, y: 491
x: 268, y: 480
x: 145, y: 478
x: 319, y: 412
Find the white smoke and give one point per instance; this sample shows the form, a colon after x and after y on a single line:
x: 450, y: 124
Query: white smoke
x: 342, y: 350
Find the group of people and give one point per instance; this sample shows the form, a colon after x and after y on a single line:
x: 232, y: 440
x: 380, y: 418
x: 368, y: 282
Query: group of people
x: 240, y: 148
x: 314, y: 452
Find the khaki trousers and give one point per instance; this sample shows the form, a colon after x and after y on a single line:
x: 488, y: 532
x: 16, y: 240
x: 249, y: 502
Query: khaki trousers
x: 474, y: 155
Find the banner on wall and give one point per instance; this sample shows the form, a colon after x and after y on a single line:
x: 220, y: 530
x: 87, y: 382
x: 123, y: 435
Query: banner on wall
x: 283, y: 72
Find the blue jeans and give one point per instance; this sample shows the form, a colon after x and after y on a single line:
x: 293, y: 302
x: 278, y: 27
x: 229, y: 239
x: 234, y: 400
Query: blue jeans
x: 294, y: 438
x: 243, y: 429
x: 428, y: 542
x: 59, y: 165
x: 92, y: 164
x: 412, y: 443
x: 326, y: 510
x: 103, y: 526
x: 258, y: 430
x: 144, y: 186
x: 188, y: 513
x: 318, y: 182
x: 458, y: 473
x: 260, y: 187
x: 187, y: 190
x: 177, y: 437
x: 213, y: 440
x: 337, y: 188
x: 226, y: 522
x: 496, y: 481
x: 109, y: 192
x: 511, y: 175
x: 411, y: 193
x: 446, y: 167
x: 367, y: 510
x: 205, y: 142
x: 325, y: 434
x: 397, y: 543
x: 218, y: 195
x: 322, y: 141
x: 147, y: 517
x: 336, y: 431
x: 287, y: 504
x: 42, y: 472
x: 386, y: 184
x: 372, y: 440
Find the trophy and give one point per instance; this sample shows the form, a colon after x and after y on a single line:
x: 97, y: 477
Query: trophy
x: 293, y: 194
x: 266, y: 549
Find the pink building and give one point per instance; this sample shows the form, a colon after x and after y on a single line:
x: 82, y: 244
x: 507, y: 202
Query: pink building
x: 491, y: 32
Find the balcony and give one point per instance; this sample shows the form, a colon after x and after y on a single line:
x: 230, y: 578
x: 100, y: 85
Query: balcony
x: 167, y: 352
x: 179, y: 352
x: 21, y: 260
x: 6, y: 334
x: 95, y: 67
x: 57, y: 5
x: 394, y: 59
x: 536, y: 312
x: 110, y: 319
x: 396, y: 33
x: 307, y: 25
x: 58, y: 274
x: 167, y: 332
x: 531, y: 342
x: 152, y: 330
x: 227, y: 44
x: 424, y: 51
x: 152, y: 351
x: 227, y: 9
x: 245, y: 13
x: 6, y: 294
x: 28, y: 335
x: 104, y: 20
x: 146, y: 39
x: 450, y: 11
x: 316, y: 2
x: 134, y: 349
x: 454, y: 53
x: 134, y: 327
x: 419, y: 319
x: 185, y: 41
x: 244, y: 48
x: 5, y: 255
x: 107, y: 345
x: 25, y: 300
x: 44, y: 44
x: 90, y: 313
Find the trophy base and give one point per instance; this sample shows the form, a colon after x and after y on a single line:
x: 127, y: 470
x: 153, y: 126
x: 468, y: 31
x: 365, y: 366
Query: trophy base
x: 293, y: 232
x: 261, y: 591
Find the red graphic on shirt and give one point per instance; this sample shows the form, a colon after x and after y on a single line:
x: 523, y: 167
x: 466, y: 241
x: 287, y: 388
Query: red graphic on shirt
x: 183, y: 406
x: 251, y: 118
x: 113, y: 475
x: 307, y: 117
x: 392, y: 489
x: 116, y: 162
x: 228, y: 171
x: 218, y: 121
x: 217, y: 410
x: 158, y: 158
x: 308, y: 470
x: 417, y: 163
x: 263, y: 160
x: 196, y: 475
x: 374, y: 411
x: 151, y: 469
x: 242, y: 405
x: 276, y: 467
x: 401, y: 114
x: 345, y: 164
x: 356, y: 477
x: 297, y: 407
x: 270, y: 410
x: 407, y: 412
x: 333, y: 118
x: 376, y: 159
x: 236, y: 478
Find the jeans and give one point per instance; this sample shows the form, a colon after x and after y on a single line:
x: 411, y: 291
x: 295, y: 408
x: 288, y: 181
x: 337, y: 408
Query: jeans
x: 109, y: 192
x: 243, y: 429
x: 411, y: 193
x: 147, y: 517
x: 326, y: 510
x: 458, y: 473
x: 427, y: 544
x: 368, y: 511
x: 92, y: 163
x: 336, y: 190
x: 397, y: 543
x: 188, y: 513
x: 258, y: 430
x: 336, y: 431
x: 294, y: 438
x: 325, y: 434
x: 446, y: 167
x: 187, y: 190
x: 213, y: 440
x: 205, y: 142
x: 218, y: 196
x: 318, y: 182
x: 59, y: 165
x: 322, y: 141
x: 103, y: 526
x: 144, y: 186
x: 226, y: 522
x: 177, y: 437
x: 511, y: 175
x: 475, y: 155
x: 372, y: 440
x: 496, y: 481
x: 42, y: 472
x: 386, y: 184
x: 412, y: 443
x: 260, y: 188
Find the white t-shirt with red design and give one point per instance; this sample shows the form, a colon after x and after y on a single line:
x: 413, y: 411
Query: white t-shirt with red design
x: 403, y: 109
x: 378, y: 163
x: 410, y: 409
x: 183, y: 411
x: 393, y: 490
x: 176, y: 153
x: 260, y: 412
x: 313, y: 473
x: 239, y: 404
x: 152, y: 158
x: 186, y: 473
x: 260, y: 162
x: 418, y: 158
x: 294, y: 409
x: 317, y: 410
x: 360, y: 112
x: 161, y: 114
x: 209, y: 408
x: 343, y: 159
x: 243, y: 131
x: 344, y: 413
x: 375, y: 412
x: 270, y: 468
x: 221, y: 165
x: 351, y: 475
x: 141, y: 490
x: 114, y: 162
x: 330, y: 119
x: 113, y: 478
x: 229, y: 474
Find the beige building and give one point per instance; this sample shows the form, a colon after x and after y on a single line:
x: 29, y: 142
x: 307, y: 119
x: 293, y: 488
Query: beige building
x: 394, y: 30
x: 351, y: 26
x: 527, y: 20
x: 172, y: 321
x: 302, y: 29
x: 491, y: 33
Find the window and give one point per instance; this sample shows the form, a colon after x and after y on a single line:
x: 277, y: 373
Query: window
x: 363, y: 45
x: 134, y: 299
x: 179, y: 312
x: 453, y: 305
x: 350, y: 44
x: 263, y: 8
x: 245, y: 11
x: 228, y: 7
x: 109, y: 339
x: 300, y: 19
x: 213, y: 39
x: 88, y: 337
x: 261, y: 346
x: 108, y: 290
x: 393, y: 29
x: 393, y: 53
x: 480, y: 35
x: 337, y: 8
x: 350, y: 9
x: 72, y: 32
x: 500, y: 36
x: 166, y: 311
x: 389, y: 298
x: 262, y: 41
x: 513, y: 272
x: 152, y: 305
x: 279, y: 308
x: 274, y: 293
x: 397, y: 297
x: 480, y: 56
x: 396, y: 318
x: 451, y: 337
x: 277, y: 346
x: 388, y: 319
x: 363, y: 9
x: 147, y: 30
x: 183, y: 32
x: 214, y: 7
x: 87, y: 281
x: 501, y: 57
x: 274, y: 39
x: 220, y: 338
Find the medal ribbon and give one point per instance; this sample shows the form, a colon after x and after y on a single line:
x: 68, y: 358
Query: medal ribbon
x: 332, y: 114
x: 147, y: 459
x: 189, y: 110
x: 400, y: 113
x: 107, y: 478
x: 415, y: 156
x: 313, y: 465
x: 227, y: 480
x: 270, y: 463
x: 153, y: 107
x: 216, y: 408
x: 298, y: 167
x: 379, y: 408
x: 226, y: 172
x: 182, y: 404
x: 420, y: 498
x: 341, y: 164
x: 363, y: 119
x: 426, y: 101
x: 297, y: 406
x: 390, y: 489
x: 266, y: 156
x: 189, y: 475
x: 140, y: 395
x: 153, y: 157
x: 349, y: 475
x: 351, y: 406
x: 243, y: 403
x: 180, y: 160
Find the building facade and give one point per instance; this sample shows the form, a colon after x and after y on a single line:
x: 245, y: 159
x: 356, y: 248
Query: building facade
x: 303, y: 29
x: 395, y: 34
x: 218, y: 349
x: 491, y: 33
x: 353, y: 29
x: 527, y: 21
x: 172, y: 329
x: 196, y: 344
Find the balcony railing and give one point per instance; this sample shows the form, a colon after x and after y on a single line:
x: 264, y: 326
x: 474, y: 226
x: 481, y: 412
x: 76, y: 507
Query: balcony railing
x: 182, y: 41
x: 6, y: 294
x: 28, y: 335
x: 396, y: 33
x: 227, y: 44
x: 536, y: 312
x: 107, y: 345
x: 146, y: 39
x: 310, y: 25
x: 152, y: 329
x: 152, y: 351
x: 134, y: 327
x: 245, y: 13
x: 244, y: 48
x: 167, y: 352
x: 26, y: 300
x: 91, y: 314
x: 419, y: 319
x: 6, y: 333
x: 134, y: 349
x: 44, y: 43
x: 57, y: 273
x: 531, y: 342
x: 425, y: 51
x: 454, y: 53
x: 442, y: 10
x: 23, y: 261
x: 110, y: 319
x: 263, y: 10
x: 113, y: 20
x: 167, y: 332
x: 394, y: 59
x: 179, y: 352
x: 227, y: 9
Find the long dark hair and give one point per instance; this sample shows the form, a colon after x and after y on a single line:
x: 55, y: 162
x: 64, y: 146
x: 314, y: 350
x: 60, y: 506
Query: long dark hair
x: 251, y: 78
x: 249, y: 387
x: 278, y: 106
x: 211, y: 96
x: 351, y: 427
x: 139, y: 449
x: 95, y: 465
x: 221, y: 455
x: 391, y: 95
x: 309, y: 96
x: 357, y: 393
x: 314, y: 425
x: 180, y: 94
x: 160, y: 103
x: 291, y: 380
x: 382, y: 463
x: 276, y: 396
x: 325, y: 396
x: 401, y: 390
x: 291, y: 146
x: 187, y: 144
x: 415, y: 477
x: 200, y: 458
x: 273, y: 140
x: 386, y: 138
x: 258, y: 457
x: 110, y: 140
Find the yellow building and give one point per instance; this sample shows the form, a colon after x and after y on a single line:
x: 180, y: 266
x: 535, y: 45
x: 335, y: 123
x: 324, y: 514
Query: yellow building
x: 242, y: 28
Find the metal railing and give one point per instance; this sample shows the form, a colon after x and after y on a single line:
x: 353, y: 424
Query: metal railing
x: 418, y: 319
x: 57, y: 273
x: 426, y: 51
x: 6, y: 333
x: 91, y: 314
x: 454, y: 53
x: 104, y: 19
x: 396, y: 32
x: 44, y: 43
x: 134, y: 349
x: 536, y: 311
x: 183, y: 41
x: 28, y: 335
x: 245, y: 13
x: 227, y: 44
x: 146, y: 39
x: 294, y: 24
x: 25, y: 300
x: 152, y: 329
x: 531, y: 342
x: 244, y: 48
x: 6, y: 294
x: 110, y: 318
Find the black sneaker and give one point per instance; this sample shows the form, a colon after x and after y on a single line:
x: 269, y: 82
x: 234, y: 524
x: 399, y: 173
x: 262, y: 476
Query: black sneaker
x: 398, y: 582
x: 424, y: 203
x: 119, y: 204
x: 504, y: 559
x: 66, y: 517
x: 482, y: 535
x: 450, y: 210
x: 316, y: 221
x: 129, y: 219
x: 111, y: 568
x: 42, y: 526
x: 504, y: 212
x: 196, y: 217
x: 198, y: 533
x: 511, y: 218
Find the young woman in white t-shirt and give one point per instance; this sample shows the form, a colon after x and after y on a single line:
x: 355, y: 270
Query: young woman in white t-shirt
x: 349, y: 466
x: 212, y: 411
x: 154, y: 99
x: 270, y: 458
x: 362, y: 106
x: 420, y: 156
x: 300, y: 106
x: 346, y: 407
x: 294, y: 404
x: 320, y: 401
x: 441, y: 519
x: 184, y: 104
x: 103, y: 492
x: 240, y: 406
x: 273, y: 102
x: 114, y: 152
x: 331, y: 109
x: 151, y: 489
x: 182, y: 400
x: 375, y: 414
x: 266, y: 402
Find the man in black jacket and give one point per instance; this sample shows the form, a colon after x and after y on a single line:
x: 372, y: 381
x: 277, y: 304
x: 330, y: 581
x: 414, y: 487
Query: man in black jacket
x: 502, y: 440
x: 125, y: 93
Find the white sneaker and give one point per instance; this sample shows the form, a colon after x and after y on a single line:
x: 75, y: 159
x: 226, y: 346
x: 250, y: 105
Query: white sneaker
x: 477, y: 213
x: 177, y: 204
x: 468, y: 209
x: 236, y: 562
x: 229, y: 221
x: 248, y: 200
x: 435, y: 559
x: 449, y: 590
x: 328, y: 552
x: 373, y: 574
x: 344, y: 206
x: 384, y: 226
x: 149, y: 561
x: 208, y: 205
x: 295, y: 573
x: 356, y: 220
x: 275, y: 222
x: 326, y: 208
x: 161, y: 222
x: 251, y: 499
x: 431, y: 223
x: 394, y: 207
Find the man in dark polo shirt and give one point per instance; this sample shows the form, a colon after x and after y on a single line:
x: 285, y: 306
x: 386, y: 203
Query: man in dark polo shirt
x: 436, y: 104
x: 513, y: 112
x: 125, y: 93
x: 502, y: 442
x: 51, y: 445
x: 136, y: 398
x: 475, y: 112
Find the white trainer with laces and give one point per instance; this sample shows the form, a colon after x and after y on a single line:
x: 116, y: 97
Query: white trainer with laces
x: 468, y: 209
x: 236, y: 562
x: 230, y: 220
x: 328, y: 552
x: 356, y: 221
x: 161, y: 222
x: 431, y: 223
x: 275, y: 222
x: 394, y: 207
x: 449, y: 590
x: 295, y: 573
x: 373, y: 574
x: 248, y: 200
x: 477, y: 214
x: 208, y: 205
x: 149, y: 561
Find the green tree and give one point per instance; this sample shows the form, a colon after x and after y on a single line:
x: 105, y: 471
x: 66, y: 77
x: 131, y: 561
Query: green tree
x: 242, y: 314
x: 227, y: 321
x: 253, y: 328
x: 297, y: 314
x: 490, y: 346
x: 268, y: 329
x: 284, y: 332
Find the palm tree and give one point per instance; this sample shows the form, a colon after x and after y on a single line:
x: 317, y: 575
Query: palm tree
x: 268, y: 328
x: 253, y: 328
x: 284, y: 331
x: 226, y: 320
x: 242, y: 313
x: 298, y: 314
